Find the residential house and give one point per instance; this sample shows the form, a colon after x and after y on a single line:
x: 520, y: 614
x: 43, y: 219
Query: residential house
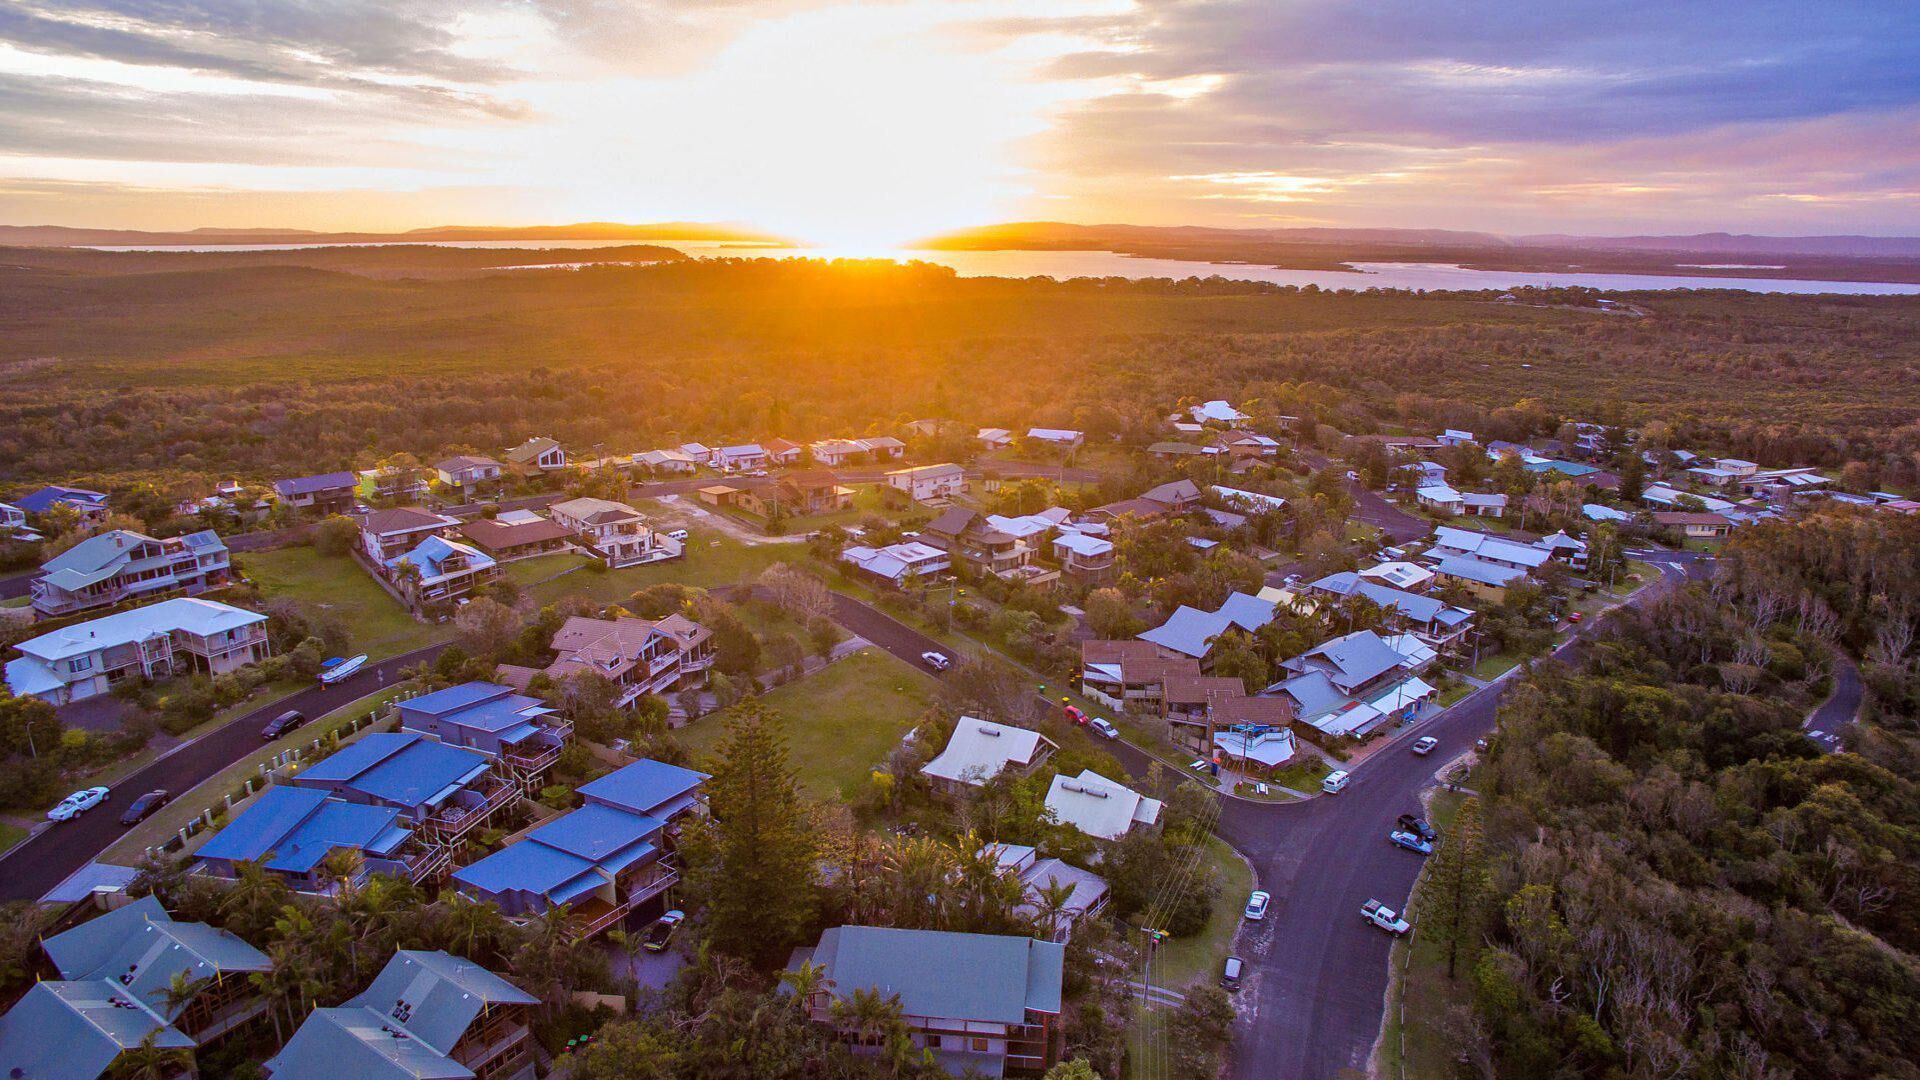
x: 739, y: 458
x: 1065, y: 438
x: 1000, y: 1018
x: 1084, y: 556
x: 90, y: 505
x: 1476, y: 504
x: 323, y: 494
x: 1602, y: 512
x: 392, y: 483
x: 1101, y: 808
x: 1256, y: 748
x: 1740, y: 469
x: 969, y: 537
x: 520, y: 733
x: 1439, y: 498
x: 1574, y: 470
x: 1352, y: 685
x: 1567, y: 549
x: 1406, y: 576
x: 1200, y: 710
x: 1217, y: 412
x: 122, y: 565
x: 1246, y: 445
x: 1713, y: 476
x: 442, y: 792
x: 292, y: 832
x: 116, y: 993
x: 1695, y: 525
x: 836, y: 452
x: 1251, y: 501
x: 1130, y: 673
x: 427, y: 1014
x: 671, y: 461
x: 979, y: 750
x: 385, y: 534
x: 798, y: 494
x: 697, y: 451
x: 537, y: 456
x: 158, y: 641
x: 896, y: 563
x: 1086, y: 892
x: 516, y: 534
x: 1191, y: 631
x: 928, y: 483
x: 783, y: 452
x: 1455, y: 437
x: 639, y: 656
x: 609, y: 861
x: 1789, y: 483
x: 465, y: 472
x: 1671, y: 498
x: 1487, y: 580
x: 995, y: 438
x: 1175, y: 497
x: 1172, y: 451
x: 13, y: 525
x: 1439, y: 624
x: 614, y: 532
x: 439, y: 570
x: 1486, y: 547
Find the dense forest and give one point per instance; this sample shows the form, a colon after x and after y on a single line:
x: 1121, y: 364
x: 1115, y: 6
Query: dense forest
x: 1676, y: 881
x: 258, y: 372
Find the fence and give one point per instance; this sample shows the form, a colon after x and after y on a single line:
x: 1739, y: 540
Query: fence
x: 267, y: 771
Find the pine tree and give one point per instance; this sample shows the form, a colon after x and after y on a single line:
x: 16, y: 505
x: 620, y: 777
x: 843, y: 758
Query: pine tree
x: 754, y: 863
x: 1451, y: 904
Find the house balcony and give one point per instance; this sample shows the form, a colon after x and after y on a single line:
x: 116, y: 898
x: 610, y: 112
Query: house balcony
x: 595, y: 915
x: 461, y: 818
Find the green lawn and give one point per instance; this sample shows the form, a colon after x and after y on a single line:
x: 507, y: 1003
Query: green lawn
x: 1304, y: 774
x: 1183, y: 960
x: 10, y: 834
x: 379, y: 625
x: 1494, y: 666
x: 187, y: 805
x: 840, y: 723
x: 1647, y: 572
x: 18, y: 601
x: 712, y: 559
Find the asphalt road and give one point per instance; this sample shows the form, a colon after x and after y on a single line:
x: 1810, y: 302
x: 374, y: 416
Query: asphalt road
x: 54, y: 853
x: 1841, y: 706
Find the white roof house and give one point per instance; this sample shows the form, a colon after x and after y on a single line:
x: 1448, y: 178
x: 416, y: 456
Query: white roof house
x: 1400, y: 575
x: 1252, y: 500
x: 1057, y: 436
x: 51, y: 663
x: 1601, y: 512
x: 995, y: 437
x: 897, y: 562
x: 1217, y: 412
x: 979, y: 749
x: 1098, y: 806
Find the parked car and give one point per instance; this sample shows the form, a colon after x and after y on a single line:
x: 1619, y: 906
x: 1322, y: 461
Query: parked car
x: 144, y: 806
x: 661, y: 932
x: 1575, y: 617
x: 1257, y: 905
x: 1384, y: 917
x: 282, y: 724
x: 1335, y: 782
x: 936, y: 660
x: 677, y: 534
x: 1416, y: 825
x: 1231, y: 971
x: 77, y: 803
x: 1424, y: 745
x: 1411, y: 841
x: 1103, y: 729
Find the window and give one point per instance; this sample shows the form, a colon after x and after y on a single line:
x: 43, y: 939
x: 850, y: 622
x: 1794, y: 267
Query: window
x: 979, y: 1046
x: 84, y: 663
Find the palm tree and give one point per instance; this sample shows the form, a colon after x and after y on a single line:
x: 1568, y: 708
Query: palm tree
x: 342, y: 866
x: 465, y: 923
x: 255, y: 895
x: 1052, y: 900
x: 868, y: 1013
x: 180, y: 992
x: 805, y: 981
x: 284, y: 985
x: 543, y: 962
x: 149, y: 1060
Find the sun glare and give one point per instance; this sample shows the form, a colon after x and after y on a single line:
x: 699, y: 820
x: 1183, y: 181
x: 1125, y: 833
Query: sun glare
x: 852, y: 129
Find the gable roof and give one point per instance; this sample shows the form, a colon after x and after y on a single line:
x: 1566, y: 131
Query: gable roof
x: 39, y: 502
x: 1098, y: 806
x: 434, y: 551
x: 459, y: 462
x: 1357, y: 658
x: 979, y: 749
x: 502, y: 535
x: 293, y: 829
x: 404, y: 519
x: 594, y: 511
x: 1468, y: 568
x: 645, y: 787
x: 1006, y: 977
x: 530, y: 451
x: 190, y: 614
x: 399, y: 768
x: 74, y: 1030
x: 141, y: 948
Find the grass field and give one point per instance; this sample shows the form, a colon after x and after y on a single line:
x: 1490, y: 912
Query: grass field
x: 10, y: 834
x: 1182, y: 960
x: 187, y: 805
x: 1494, y: 666
x: 840, y: 723
x: 712, y: 559
x: 379, y: 625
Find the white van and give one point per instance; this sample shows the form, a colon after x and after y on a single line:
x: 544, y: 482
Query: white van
x: 1335, y: 782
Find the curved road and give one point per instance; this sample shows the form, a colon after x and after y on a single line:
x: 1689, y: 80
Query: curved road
x: 1841, y: 707
x: 51, y: 855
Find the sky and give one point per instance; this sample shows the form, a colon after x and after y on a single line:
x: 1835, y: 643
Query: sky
x: 865, y: 124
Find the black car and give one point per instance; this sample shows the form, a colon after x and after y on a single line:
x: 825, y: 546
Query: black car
x: 144, y: 806
x: 283, y: 723
x: 1417, y: 826
x: 1231, y: 971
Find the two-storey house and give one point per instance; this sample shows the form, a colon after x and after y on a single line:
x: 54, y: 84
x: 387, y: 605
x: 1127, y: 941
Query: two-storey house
x: 385, y: 534
x: 292, y: 832
x: 441, y: 570
x: 520, y: 733
x: 465, y: 473
x: 639, y: 656
x: 122, y: 565
x: 613, y: 532
x: 442, y: 792
x: 159, y: 641
x: 319, y: 495
x: 929, y: 483
x: 536, y: 457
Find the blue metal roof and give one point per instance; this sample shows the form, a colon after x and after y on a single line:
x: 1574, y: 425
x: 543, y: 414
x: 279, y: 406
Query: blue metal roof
x: 299, y: 826
x: 477, y: 705
x: 642, y: 787
x: 597, y: 833
x: 400, y: 769
x: 455, y: 698
x: 566, y: 857
x: 39, y: 502
x: 989, y: 978
x: 74, y: 1030
x: 523, y: 867
x: 307, y: 485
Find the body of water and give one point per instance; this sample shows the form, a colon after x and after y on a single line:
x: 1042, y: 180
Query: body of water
x: 1072, y: 264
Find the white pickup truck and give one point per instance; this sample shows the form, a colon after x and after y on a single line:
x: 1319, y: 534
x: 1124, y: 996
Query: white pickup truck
x: 1384, y: 917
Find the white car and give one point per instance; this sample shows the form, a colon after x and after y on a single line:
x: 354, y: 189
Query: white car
x: 1257, y: 906
x: 1424, y: 745
x: 678, y: 534
x: 77, y: 803
x: 1103, y: 729
x: 936, y: 660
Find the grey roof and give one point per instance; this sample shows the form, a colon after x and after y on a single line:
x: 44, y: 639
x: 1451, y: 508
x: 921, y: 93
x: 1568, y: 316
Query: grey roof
x: 1312, y: 692
x: 1412, y: 606
x: 308, y: 485
x: 1188, y: 629
x: 1358, y: 657
x: 74, y: 1030
x: 141, y: 948
x: 1469, y: 568
x: 982, y: 977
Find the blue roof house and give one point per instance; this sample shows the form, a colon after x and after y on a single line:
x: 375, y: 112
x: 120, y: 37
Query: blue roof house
x: 426, y: 1015
x: 447, y: 570
x: 326, y: 493
x: 443, y: 791
x: 989, y: 1003
x: 292, y: 831
x: 90, y: 505
x: 605, y: 861
x: 519, y: 732
x: 115, y: 974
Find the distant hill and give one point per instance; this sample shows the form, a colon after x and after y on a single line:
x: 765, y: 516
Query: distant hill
x: 65, y: 236
x: 1719, y: 243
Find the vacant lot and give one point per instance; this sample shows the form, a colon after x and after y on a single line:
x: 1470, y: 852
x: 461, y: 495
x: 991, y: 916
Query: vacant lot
x: 840, y: 723
x: 379, y: 625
